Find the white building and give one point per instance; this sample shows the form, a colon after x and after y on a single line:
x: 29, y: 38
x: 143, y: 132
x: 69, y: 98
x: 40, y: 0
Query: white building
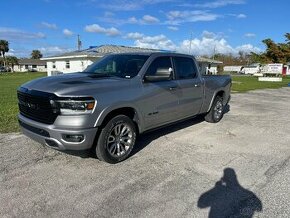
x: 77, y: 61
x: 260, y: 70
x: 251, y: 69
x: 30, y: 65
x: 276, y: 69
x: 208, y: 66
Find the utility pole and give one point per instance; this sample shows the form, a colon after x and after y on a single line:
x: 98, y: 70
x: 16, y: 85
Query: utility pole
x: 190, y: 43
x: 79, y: 43
x: 214, y: 51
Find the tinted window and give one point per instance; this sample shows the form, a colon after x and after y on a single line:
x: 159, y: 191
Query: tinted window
x: 158, y: 65
x: 185, y: 68
x: 126, y: 66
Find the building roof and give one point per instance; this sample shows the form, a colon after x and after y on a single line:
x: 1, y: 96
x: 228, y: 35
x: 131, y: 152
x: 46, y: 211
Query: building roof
x: 102, y: 50
x: 28, y: 61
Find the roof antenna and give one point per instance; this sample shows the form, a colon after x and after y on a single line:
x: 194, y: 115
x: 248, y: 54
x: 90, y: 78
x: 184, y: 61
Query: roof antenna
x: 79, y: 43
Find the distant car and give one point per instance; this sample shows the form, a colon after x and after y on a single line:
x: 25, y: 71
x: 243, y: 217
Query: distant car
x: 4, y: 69
x: 32, y: 70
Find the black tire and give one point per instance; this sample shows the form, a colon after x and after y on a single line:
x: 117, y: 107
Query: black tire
x: 116, y: 140
x: 216, y: 112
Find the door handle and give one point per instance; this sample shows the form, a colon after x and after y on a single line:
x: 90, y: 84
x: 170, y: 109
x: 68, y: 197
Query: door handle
x: 172, y: 88
x: 196, y: 85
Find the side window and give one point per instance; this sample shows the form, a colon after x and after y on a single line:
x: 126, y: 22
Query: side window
x: 67, y: 64
x: 185, y: 68
x: 159, y: 65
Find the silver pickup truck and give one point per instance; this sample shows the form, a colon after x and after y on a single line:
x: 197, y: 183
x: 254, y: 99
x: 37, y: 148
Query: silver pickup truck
x: 106, y: 107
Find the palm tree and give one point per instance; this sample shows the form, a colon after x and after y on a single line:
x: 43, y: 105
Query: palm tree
x: 36, y: 54
x: 4, y: 47
x: 11, y: 61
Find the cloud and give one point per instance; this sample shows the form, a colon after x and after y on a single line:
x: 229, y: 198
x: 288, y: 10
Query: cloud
x: 108, y: 14
x: 135, y: 35
x: 219, y: 3
x: 205, y: 46
x: 95, y: 28
x: 53, y: 50
x: 148, y: 19
x: 17, y: 35
x: 11, y: 52
x: 250, y: 35
x: 25, y: 52
x: 208, y: 35
x: 178, y: 17
x: 132, y: 20
x: 67, y: 32
x: 211, y: 43
x: 173, y: 28
x: 118, y: 21
x: 127, y: 5
x: 241, y: 16
x: 247, y: 48
x: 208, y: 44
x: 49, y: 25
x: 153, y: 42
x: 40, y: 35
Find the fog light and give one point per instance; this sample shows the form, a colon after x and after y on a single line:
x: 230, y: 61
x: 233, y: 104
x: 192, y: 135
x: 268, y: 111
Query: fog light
x: 73, y: 138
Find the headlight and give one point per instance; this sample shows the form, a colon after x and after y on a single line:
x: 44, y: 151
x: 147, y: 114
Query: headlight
x: 74, y: 106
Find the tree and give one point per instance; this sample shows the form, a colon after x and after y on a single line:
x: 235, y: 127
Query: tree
x: 275, y: 52
x: 4, y: 47
x: 36, y: 54
x: 11, y: 61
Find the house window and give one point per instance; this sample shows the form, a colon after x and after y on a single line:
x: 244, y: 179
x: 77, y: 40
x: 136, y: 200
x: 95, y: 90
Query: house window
x: 45, y: 66
x: 26, y: 67
x: 53, y: 65
x: 34, y: 66
x: 67, y: 65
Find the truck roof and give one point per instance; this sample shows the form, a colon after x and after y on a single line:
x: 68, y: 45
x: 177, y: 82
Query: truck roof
x: 154, y: 53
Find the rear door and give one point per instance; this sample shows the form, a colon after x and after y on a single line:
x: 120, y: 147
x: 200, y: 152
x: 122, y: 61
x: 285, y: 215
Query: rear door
x: 160, y: 98
x: 190, y: 84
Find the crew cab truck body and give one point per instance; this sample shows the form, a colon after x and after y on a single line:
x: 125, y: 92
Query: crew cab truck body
x: 115, y: 99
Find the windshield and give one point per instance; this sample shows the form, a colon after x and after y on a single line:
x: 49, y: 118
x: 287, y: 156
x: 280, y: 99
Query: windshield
x: 124, y: 66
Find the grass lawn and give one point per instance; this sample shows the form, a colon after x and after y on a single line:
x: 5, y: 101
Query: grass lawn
x: 8, y: 98
x: 247, y: 83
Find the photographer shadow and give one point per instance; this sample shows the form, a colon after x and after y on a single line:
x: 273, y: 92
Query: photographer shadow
x: 229, y: 199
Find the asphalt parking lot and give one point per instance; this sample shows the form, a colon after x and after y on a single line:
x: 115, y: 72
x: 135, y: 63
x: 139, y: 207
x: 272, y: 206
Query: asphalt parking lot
x: 239, y: 167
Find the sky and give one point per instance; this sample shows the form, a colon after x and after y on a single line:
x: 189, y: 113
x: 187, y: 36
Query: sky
x: 187, y: 26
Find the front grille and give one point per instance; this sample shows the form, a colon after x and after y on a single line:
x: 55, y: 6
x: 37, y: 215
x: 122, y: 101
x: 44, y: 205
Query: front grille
x: 36, y: 106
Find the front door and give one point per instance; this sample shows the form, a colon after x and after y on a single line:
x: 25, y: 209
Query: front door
x: 160, y: 98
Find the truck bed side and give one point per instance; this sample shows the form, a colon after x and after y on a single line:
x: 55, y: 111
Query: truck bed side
x: 213, y: 85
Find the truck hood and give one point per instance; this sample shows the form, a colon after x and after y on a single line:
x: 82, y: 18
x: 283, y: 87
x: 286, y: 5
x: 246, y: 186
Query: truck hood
x: 76, y: 84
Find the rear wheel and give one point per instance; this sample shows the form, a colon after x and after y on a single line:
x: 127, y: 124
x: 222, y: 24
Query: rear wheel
x: 216, y: 112
x: 116, y: 139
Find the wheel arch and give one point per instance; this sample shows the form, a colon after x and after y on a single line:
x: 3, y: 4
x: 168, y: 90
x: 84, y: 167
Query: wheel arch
x: 220, y: 93
x: 129, y: 111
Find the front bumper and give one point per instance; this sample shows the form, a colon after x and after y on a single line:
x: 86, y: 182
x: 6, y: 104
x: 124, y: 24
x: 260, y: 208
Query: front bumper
x: 54, y: 137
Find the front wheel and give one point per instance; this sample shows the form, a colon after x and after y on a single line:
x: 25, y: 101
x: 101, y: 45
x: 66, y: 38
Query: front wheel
x: 116, y: 140
x: 216, y: 111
